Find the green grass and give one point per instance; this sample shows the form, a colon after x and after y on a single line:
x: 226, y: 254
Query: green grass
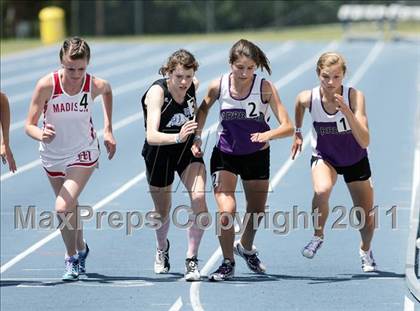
x: 308, y: 33
x: 8, y: 46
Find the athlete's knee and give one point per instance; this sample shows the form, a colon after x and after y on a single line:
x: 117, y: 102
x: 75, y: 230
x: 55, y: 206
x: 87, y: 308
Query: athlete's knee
x: 64, y: 206
x: 322, y: 192
x: 201, y: 218
x: 226, y: 219
x: 369, y: 223
x: 161, y: 215
x: 257, y: 209
x: 198, y: 201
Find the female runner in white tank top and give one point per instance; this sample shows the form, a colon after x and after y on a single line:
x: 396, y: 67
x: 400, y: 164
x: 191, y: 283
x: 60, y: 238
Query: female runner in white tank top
x: 69, y: 147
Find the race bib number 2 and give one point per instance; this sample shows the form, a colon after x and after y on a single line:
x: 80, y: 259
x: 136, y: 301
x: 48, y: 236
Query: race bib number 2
x: 251, y: 110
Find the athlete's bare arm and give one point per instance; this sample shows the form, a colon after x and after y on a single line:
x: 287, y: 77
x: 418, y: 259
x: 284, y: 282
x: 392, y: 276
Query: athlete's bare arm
x: 285, y: 127
x: 41, y: 96
x: 6, y: 153
x: 203, y: 110
x: 303, y: 101
x: 356, y: 116
x: 102, y: 87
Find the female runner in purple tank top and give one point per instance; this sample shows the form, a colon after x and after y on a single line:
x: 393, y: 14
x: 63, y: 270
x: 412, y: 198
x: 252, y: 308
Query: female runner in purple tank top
x: 242, y: 149
x: 340, y: 137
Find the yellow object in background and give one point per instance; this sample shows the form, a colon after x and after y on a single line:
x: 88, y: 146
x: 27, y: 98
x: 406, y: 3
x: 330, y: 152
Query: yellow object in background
x: 52, y: 26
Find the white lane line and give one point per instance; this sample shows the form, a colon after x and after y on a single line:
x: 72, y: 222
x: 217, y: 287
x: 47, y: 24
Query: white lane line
x: 17, y: 125
x: 373, y: 54
x: 303, y: 67
x: 51, y: 236
x: 195, y: 287
x: 413, y: 241
x: 408, y: 304
x: 288, y: 164
x: 177, y: 305
x: 21, y: 169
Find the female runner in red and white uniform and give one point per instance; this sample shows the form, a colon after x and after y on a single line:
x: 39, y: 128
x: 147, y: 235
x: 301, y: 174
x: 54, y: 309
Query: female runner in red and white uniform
x: 69, y: 147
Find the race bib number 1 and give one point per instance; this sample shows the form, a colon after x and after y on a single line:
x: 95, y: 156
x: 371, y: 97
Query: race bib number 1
x: 342, y: 125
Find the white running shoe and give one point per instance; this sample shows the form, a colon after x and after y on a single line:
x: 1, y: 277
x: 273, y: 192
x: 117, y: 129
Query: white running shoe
x: 71, y: 272
x: 312, y: 247
x: 191, y: 269
x: 162, y: 260
x: 368, y: 263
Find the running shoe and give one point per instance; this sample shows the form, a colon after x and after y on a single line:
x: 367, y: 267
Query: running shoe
x: 191, y: 269
x: 251, y: 257
x: 71, y: 272
x: 82, y: 260
x: 226, y: 271
x: 312, y: 247
x: 368, y: 263
x: 162, y: 260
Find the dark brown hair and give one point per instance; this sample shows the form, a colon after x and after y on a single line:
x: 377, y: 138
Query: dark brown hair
x: 180, y: 57
x: 248, y: 49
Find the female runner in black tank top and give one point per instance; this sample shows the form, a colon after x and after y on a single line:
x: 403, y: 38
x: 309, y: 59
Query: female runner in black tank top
x: 169, y: 110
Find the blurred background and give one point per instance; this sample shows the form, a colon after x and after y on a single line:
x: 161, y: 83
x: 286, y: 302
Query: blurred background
x: 20, y: 19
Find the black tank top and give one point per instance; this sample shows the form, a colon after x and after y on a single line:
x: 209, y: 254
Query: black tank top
x: 172, y: 117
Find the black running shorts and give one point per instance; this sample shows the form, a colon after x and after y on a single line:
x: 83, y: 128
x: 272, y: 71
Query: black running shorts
x: 357, y: 172
x: 249, y: 166
x: 161, y: 166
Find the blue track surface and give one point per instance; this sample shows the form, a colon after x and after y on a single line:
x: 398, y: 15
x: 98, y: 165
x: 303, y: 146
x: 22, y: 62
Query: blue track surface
x: 120, y: 266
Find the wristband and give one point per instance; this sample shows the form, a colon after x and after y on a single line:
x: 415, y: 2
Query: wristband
x: 178, y: 139
x: 298, y: 130
x: 197, y: 137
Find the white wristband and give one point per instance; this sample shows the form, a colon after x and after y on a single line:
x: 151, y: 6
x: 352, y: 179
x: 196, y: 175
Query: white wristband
x: 178, y: 139
x: 298, y: 130
x: 197, y: 137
